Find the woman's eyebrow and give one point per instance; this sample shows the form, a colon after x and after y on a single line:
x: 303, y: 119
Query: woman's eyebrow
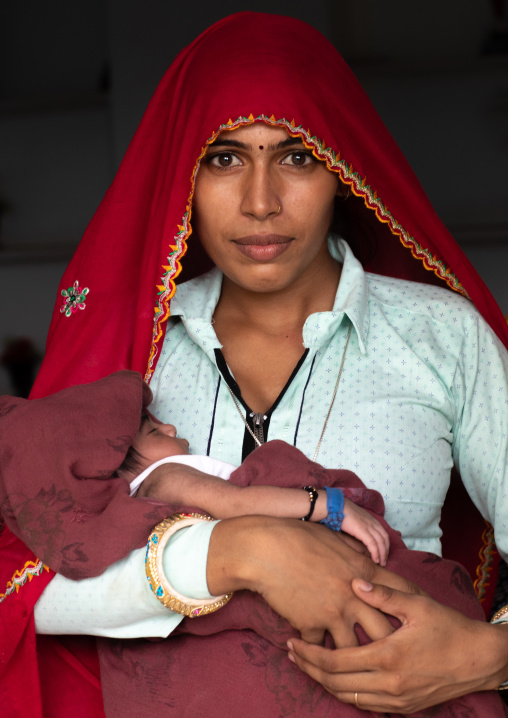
x: 289, y: 142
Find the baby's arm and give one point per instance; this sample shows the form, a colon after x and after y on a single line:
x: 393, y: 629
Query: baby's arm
x: 181, y: 484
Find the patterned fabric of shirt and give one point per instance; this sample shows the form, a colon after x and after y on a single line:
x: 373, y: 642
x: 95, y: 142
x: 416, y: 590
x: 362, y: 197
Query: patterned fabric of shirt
x: 424, y: 385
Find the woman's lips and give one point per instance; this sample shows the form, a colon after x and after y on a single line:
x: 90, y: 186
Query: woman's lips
x: 263, y: 247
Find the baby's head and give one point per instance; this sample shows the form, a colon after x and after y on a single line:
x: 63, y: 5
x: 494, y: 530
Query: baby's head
x: 153, y: 441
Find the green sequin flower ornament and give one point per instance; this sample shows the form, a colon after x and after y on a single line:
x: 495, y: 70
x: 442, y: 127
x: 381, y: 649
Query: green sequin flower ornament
x: 74, y: 299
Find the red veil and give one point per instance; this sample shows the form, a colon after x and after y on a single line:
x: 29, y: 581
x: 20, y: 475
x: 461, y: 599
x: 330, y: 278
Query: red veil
x: 246, y: 68
x: 115, y: 296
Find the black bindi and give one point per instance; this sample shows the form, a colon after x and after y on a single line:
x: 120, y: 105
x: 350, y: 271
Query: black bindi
x: 261, y: 147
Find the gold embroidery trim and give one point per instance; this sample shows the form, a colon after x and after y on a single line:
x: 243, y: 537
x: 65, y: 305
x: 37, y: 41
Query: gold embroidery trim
x: 20, y: 577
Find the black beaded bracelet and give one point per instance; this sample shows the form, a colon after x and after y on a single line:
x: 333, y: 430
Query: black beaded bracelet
x: 313, y: 495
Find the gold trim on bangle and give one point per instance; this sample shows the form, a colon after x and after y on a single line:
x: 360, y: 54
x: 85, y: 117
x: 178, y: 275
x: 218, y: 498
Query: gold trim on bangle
x: 157, y: 580
x: 500, y: 618
x: 499, y: 615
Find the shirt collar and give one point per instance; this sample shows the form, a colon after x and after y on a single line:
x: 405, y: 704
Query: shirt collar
x: 195, y: 303
x: 352, y: 292
x: 197, y: 298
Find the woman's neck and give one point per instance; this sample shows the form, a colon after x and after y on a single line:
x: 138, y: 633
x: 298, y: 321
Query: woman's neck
x: 261, y: 332
x: 287, y: 308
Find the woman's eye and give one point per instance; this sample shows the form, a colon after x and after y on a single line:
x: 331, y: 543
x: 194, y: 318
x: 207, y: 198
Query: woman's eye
x: 223, y: 160
x: 298, y: 159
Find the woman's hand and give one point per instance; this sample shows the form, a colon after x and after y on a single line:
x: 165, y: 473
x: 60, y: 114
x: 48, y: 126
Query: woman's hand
x: 436, y: 654
x: 304, y: 571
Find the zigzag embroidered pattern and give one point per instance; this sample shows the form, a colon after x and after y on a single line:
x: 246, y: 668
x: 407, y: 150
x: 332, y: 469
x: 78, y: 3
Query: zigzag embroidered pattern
x: 29, y: 570
x: 483, y: 570
x: 357, y: 184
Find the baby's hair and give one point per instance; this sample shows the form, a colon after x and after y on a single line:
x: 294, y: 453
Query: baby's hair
x: 132, y: 464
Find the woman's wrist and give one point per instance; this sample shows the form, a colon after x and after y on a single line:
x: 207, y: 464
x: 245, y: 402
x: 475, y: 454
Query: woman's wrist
x: 234, y: 554
x: 158, y: 579
x: 500, y: 621
x: 494, y: 648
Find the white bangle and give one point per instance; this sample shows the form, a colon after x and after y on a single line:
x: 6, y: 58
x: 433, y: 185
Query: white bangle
x: 157, y: 580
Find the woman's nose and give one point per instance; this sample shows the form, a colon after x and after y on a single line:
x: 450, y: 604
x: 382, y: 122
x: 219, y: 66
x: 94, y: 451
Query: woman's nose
x: 260, y: 198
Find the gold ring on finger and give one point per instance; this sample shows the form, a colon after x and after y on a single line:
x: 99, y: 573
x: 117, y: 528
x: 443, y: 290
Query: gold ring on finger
x: 356, y: 700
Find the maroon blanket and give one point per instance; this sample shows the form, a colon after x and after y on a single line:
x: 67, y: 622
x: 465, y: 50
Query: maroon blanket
x: 56, y: 459
x: 234, y: 662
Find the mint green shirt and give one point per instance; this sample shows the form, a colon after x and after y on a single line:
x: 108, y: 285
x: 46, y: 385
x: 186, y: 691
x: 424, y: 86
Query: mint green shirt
x: 424, y: 386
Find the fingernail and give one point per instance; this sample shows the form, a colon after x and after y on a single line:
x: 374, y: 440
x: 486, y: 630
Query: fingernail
x: 364, y: 585
x: 291, y: 657
x: 289, y: 645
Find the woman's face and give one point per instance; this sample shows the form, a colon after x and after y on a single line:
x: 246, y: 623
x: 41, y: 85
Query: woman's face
x: 263, y: 207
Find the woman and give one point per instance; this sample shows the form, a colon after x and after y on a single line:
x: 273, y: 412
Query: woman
x: 243, y: 167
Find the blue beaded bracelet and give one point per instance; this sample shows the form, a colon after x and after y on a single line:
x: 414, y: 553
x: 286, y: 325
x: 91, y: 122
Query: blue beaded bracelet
x: 335, y: 508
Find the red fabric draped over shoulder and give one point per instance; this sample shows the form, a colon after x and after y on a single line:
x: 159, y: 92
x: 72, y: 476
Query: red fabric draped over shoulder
x: 248, y: 67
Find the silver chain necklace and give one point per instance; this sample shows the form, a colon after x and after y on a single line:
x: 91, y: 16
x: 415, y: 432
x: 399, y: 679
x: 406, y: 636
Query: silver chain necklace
x: 259, y: 418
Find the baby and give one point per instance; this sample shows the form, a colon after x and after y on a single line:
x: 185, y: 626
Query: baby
x: 202, y: 484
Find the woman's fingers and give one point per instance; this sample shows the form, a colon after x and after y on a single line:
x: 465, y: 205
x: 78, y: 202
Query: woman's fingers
x: 425, y: 662
x: 388, y: 597
x: 383, y: 577
x: 376, y: 625
x: 313, y: 635
x: 323, y: 666
x: 343, y: 635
